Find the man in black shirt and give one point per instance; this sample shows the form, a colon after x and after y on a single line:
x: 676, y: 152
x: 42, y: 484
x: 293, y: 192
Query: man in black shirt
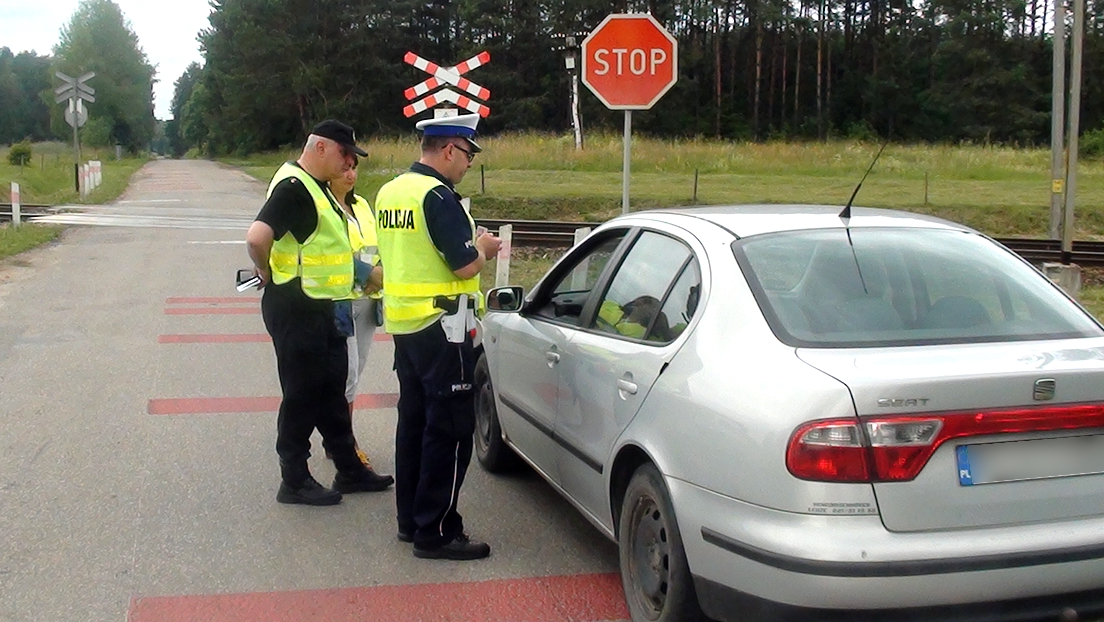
x: 300, y: 248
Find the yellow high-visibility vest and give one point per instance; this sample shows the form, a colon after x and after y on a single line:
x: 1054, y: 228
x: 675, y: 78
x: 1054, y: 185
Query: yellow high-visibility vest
x: 323, y: 263
x: 362, y: 237
x: 414, y: 271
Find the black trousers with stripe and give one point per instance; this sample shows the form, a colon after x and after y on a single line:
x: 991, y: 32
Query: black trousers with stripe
x: 433, y: 437
x: 313, y: 363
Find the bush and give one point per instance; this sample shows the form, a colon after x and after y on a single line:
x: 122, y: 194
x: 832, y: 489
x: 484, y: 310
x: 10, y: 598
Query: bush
x: 1092, y: 144
x: 20, y: 153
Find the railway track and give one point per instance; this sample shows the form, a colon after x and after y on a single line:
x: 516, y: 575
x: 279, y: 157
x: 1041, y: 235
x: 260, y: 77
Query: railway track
x: 25, y: 211
x: 562, y: 234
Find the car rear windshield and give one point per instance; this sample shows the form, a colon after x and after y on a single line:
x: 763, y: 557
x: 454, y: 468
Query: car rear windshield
x: 882, y: 287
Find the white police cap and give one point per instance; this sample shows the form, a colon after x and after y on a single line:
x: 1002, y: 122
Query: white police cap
x: 462, y: 125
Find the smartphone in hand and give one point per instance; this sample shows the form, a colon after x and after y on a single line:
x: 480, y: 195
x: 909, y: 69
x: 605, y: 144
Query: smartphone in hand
x: 246, y: 279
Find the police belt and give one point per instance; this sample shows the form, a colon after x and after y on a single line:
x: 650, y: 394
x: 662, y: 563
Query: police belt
x: 451, y: 305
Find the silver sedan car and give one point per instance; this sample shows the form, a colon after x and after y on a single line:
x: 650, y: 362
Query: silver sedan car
x: 781, y: 414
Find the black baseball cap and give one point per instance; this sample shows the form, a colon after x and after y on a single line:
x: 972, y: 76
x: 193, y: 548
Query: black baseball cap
x: 340, y: 133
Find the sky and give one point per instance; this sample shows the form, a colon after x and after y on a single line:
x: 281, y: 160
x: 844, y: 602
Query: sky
x: 166, y: 33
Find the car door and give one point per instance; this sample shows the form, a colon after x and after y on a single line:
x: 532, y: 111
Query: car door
x: 530, y: 347
x: 610, y: 365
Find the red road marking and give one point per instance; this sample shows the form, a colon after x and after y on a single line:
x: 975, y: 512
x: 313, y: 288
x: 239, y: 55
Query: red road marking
x: 213, y: 301
x: 213, y: 405
x: 260, y: 337
x: 236, y: 338
x: 575, y: 598
x: 212, y: 311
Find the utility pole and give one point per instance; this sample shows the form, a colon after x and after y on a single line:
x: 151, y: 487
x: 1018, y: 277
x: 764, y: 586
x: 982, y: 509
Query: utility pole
x: 1057, y: 120
x: 570, y: 48
x: 1074, y: 127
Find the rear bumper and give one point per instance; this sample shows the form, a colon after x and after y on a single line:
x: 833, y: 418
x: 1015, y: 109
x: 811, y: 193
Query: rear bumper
x: 740, y: 554
x: 726, y: 604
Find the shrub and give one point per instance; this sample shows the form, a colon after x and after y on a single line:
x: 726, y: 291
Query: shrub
x: 1092, y: 144
x: 20, y: 153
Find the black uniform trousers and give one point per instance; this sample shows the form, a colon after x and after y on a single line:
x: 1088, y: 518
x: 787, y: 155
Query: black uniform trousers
x: 433, y: 437
x: 312, y: 362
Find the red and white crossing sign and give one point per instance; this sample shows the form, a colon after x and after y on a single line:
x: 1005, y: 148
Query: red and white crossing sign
x: 451, y: 76
x: 630, y: 61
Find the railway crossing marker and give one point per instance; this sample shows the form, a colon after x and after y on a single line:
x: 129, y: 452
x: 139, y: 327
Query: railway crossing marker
x: 444, y: 78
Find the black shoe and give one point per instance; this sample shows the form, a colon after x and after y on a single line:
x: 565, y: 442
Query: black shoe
x: 405, y: 536
x: 310, y: 492
x: 461, y: 548
x: 366, y: 480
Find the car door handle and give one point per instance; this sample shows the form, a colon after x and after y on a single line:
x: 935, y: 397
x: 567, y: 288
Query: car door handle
x: 552, y: 357
x: 627, y: 386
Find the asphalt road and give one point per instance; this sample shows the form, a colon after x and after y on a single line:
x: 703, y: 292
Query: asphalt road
x: 138, y: 473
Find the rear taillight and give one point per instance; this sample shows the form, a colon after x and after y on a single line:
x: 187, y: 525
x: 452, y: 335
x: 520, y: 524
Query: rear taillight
x: 896, y: 449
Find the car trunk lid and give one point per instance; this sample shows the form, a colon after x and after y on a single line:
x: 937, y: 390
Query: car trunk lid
x: 1020, y: 428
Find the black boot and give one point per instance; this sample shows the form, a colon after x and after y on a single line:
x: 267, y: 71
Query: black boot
x: 298, y: 486
x: 363, y: 479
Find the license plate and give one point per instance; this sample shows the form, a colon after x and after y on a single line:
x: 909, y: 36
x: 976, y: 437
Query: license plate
x: 1014, y: 461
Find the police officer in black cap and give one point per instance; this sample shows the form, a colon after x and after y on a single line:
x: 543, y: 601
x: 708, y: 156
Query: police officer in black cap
x: 433, y: 254
x: 299, y: 244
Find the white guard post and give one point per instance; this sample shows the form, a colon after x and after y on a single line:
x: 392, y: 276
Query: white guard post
x: 15, y: 204
x: 502, y: 268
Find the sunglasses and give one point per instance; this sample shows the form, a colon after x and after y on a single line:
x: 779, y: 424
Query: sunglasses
x: 471, y: 156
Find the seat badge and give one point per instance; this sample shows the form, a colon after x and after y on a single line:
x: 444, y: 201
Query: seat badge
x: 1044, y: 389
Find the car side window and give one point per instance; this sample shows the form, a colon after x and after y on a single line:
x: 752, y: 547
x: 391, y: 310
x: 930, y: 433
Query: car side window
x: 571, y: 290
x: 680, y: 305
x: 633, y: 306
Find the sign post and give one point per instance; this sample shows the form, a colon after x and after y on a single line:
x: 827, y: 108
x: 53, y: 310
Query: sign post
x: 75, y: 91
x: 629, y: 62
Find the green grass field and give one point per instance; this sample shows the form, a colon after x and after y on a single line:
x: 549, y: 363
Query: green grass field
x: 1001, y: 191
x: 15, y: 240
x: 49, y: 179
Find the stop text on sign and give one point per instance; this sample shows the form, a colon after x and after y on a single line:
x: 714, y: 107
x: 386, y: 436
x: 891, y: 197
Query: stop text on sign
x: 640, y: 61
x: 629, y: 61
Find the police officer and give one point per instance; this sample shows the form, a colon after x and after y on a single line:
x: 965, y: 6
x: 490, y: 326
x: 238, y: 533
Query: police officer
x: 299, y: 244
x: 432, y: 256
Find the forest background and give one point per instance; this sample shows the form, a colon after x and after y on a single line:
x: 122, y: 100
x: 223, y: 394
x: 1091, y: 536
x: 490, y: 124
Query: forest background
x: 936, y: 71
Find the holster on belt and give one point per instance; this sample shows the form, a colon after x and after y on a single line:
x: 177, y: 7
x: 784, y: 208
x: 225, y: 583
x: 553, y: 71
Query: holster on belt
x: 456, y: 318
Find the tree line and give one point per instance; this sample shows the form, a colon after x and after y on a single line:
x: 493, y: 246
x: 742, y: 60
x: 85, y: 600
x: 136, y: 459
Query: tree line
x: 98, y: 38
x: 908, y: 70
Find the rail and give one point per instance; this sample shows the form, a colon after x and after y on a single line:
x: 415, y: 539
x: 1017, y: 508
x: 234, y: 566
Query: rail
x: 562, y: 234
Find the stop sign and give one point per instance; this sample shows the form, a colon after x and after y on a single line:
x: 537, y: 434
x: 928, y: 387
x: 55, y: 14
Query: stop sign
x: 630, y: 61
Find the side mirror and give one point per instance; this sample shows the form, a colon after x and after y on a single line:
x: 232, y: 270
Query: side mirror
x: 505, y: 298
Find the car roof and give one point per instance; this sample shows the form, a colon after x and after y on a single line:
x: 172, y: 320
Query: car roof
x: 749, y: 220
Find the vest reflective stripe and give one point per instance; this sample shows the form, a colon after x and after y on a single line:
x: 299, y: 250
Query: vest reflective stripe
x: 414, y: 270
x: 323, y: 263
x: 362, y: 238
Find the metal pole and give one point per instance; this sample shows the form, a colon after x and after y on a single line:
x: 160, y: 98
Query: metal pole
x: 576, y: 120
x: 625, y: 164
x: 1074, y: 126
x: 1057, y: 120
x: 76, y: 144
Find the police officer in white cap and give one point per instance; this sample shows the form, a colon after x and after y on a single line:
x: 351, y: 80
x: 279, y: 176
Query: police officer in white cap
x: 434, y: 254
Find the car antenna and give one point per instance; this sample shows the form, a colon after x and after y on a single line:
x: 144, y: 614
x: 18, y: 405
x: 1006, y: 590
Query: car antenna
x: 845, y: 215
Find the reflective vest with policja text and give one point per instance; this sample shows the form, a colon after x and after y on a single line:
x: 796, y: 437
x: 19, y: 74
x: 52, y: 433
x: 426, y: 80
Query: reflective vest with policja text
x: 414, y: 271
x: 323, y: 263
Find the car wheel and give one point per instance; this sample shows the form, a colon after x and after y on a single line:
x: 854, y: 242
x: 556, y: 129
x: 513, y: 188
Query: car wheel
x: 654, y: 573
x: 492, y: 451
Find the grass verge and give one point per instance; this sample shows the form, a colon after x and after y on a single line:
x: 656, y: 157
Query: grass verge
x: 49, y: 178
x: 15, y: 240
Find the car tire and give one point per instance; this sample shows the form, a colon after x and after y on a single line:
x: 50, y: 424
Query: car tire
x: 654, y: 573
x: 493, y: 452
